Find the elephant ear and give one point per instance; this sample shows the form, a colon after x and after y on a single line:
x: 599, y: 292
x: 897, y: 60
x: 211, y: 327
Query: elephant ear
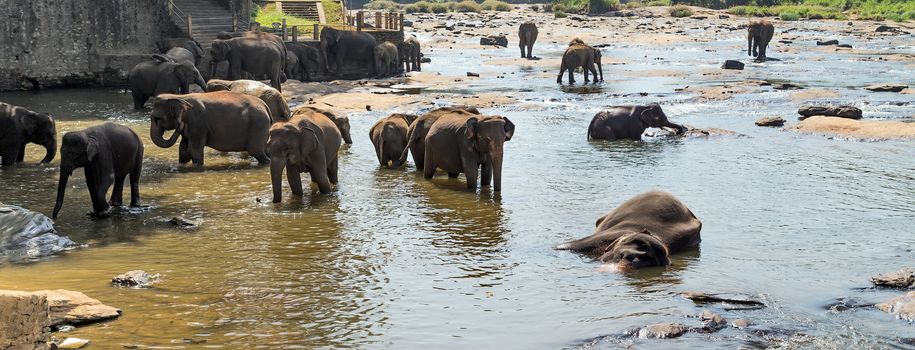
x: 30, y: 123
x: 307, y: 136
x: 509, y: 129
x: 92, y: 148
x: 651, y: 115
x: 472, y: 127
x: 176, y: 107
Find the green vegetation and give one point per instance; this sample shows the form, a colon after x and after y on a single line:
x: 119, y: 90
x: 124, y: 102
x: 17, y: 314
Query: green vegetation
x: 640, y: 4
x: 585, y: 6
x: 680, y: 11
x: 384, y: 5
x: 443, y: 6
x: 535, y: 8
x: 897, y: 10
x: 439, y: 8
x: 269, y: 14
x: 789, y: 16
x: 333, y: 11
x: 496, y: 5
x: 787, y: 12
x: 466, y: 6
x: 560, y: 14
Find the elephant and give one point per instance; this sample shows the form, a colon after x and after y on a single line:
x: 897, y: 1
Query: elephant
x: 226, y: 121
x: 340, y: 45
x: 389, y: 136
x: 386, y: 59
x: 162, y: 75
x: 276, y: 104
x: 629, y: 122
x: 419, y: 128
x: 308, y: 142
x: 527, y: 36
x: 181, y: 55
x: 577, y: 55
x: 189, y: 44
x: 20, y: 126
x: 462, y: 143
x: 255, y: 53
x: 410, y: 54
x: 309, y: 59
x: 641, y: 232
x: 342, y: 122
x: 597, y: 63
x: 108, y: 153
x: 292, y: 68
x: 759, y: 33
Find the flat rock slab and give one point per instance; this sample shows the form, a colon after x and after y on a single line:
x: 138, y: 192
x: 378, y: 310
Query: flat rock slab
x: 872, y: 130
x: 24, y: 320
x: 902, y: 307
x: 849, y: 112
x: 887, y: 88
x: 827, y: 42
x: 662, y: 331
x: 707, y: 298
x: 135, y: 279
x: 904, y: 278
x: 75, y: 308
x: 494, y: 40
x: 27, y: 235
x: 770, y: 121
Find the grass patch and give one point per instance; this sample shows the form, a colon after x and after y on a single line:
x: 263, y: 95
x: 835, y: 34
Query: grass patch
x: 896, y: 10
x: 585, y: 6
x: 680, y: 11
x: 789, y: 16
x: 881, y: 10
x: 269, y: 14
x: 466, y: 6
x: 559, y: 14
x: 640, y: 4
x: 384, y: 5
x: 496, y: 5
x: 333, y: 11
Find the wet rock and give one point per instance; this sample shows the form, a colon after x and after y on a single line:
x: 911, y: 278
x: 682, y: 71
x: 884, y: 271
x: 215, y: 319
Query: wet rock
x: 425, y: 60
x: 849, y: 112
x: 887, y: 88
x: 844, y: 46
x: 494, y: 40
x: 185, y: 223
x: 732, y: 64
x: 845, y: 304
x: 706, y: 298
x: 24, y: 322
x: 903, y: 307
x: 471, y: 74
x: 135, y: 279
x: 662, y: 331
x: 889, y: 29
x: 723, y: 16
x: 712, y: 320
x: 770, y: 121
x: 27, y: 235
x: 786, y: 86
x: 408, y: 23
x: 76, y: 308
x: 740, y: 323
x: 73, y: 343
x: 904, y: 278
x: 827, y: 42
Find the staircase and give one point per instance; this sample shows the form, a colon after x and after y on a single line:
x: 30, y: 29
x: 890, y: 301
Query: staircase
x: 208, y: 18
x: 310, y: 10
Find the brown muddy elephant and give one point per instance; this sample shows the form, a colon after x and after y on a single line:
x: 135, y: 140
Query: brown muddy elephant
x: 410, y: 52
x: 20, y: 126
x: 276, y: 104
x: 256, y: 53
x: 416, y: 135
x: 577, y: 55
x: 642, y: 232
x: 389, y: 136
x: 338, y: 46
x: 527, y: 36
x: 759, y: 33
x: 225, y: 121
x: 308, y: 142
x: 162, y: 75
x: 465, y: 143
x: 629, y: 122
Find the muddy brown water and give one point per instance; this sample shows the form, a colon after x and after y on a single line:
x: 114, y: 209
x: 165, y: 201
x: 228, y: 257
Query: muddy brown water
x: 390, y: 260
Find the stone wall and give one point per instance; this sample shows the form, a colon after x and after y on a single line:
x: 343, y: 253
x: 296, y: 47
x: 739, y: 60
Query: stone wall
x: 24, y: 322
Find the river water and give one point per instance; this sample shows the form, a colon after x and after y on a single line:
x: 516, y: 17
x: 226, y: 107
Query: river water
x: 390, y: 260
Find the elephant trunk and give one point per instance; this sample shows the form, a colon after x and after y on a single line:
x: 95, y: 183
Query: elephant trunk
x: 680, y: 128
x: 347, y: 138
x: 156, y: 132
x: 276, y: 177
x: 201, y: 82
x: 65, y: 172
x: 497, y: 170
x: 51, y: 148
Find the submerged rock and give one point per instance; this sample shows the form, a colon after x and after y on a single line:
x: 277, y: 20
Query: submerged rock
x: 770, y: 121
x: 185, y: 223
x: 712, y: 320
x: 740, y: 323
x: 886, y: 88
x: 845, y: 304
x: 732, y: 64
x: 76, y: 308
x: 904, y: 278
x: 27, y: 235
x: 135, y: 279
x: 24, y: 322
x: 903, y: 307
x: 662, y: 331
x: 706, y: 298
x: 850, y: 112
x: 494, y: 40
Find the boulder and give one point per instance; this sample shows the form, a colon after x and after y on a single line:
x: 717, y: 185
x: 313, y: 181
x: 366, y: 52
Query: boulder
x: 887, y: 88
x: 904, y: 278
x: 24, y: 321
x: 494, y: 40
x: 874, y: 130
x: 135, y: 279
x: 889, y: 29
x: 732, y: 64
x: 27, y: 235
x: 662, y: 331
x: 903, y: 307
x: 740, y: 323
x: 706, y: 298
x: 185, y: 223
x: 827, y: 42
x: 849, y: 112
x: 408, y: 23
x: 712, y: 320
x: 76, y: 308
x: 770, y: 121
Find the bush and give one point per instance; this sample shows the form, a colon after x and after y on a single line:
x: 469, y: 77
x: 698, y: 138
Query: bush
x: 419, y: 7
x: 496, y: 5
x: 680, y: 11
x: 386, y: 5
x: 559, y: 8
x: 560, y: 14
x: 789, y: 16
x: 603, y: 6
x: 466, y: 6
x: 438, y: 8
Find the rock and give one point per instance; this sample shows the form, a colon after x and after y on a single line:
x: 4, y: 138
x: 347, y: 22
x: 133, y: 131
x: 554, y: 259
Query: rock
x: 732, y: 64
x: 786, y: 86
x: 770, y: 121
x: 662, y: 331
x: 740, y: 323
x: 185, y: 223
x: 27, y: 235
x: 887, y: 88
x: 135, y: 279
x: 723, y: 16
x: 903, y: 307
x: 904, y: 278
x: 850, y: 112
x: 712, y: 320
x: 425, y: 60
x: 76, y: 308
x: 407, y: 23
x: 699, y: 17
x: 471, y: 74
x: 872, y: 130
x: 494, y: 40
x: 705, y: 298
x: 844, y: 46
x: 845, y: 304
x: 888, y: 29
x: 24, y: 321
x: 827, y: 42
x: 72, y: 343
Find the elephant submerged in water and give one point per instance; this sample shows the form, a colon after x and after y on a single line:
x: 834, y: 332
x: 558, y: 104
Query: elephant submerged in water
x: 759, y: 33
x: 629, y: 122
x: 20, y: 126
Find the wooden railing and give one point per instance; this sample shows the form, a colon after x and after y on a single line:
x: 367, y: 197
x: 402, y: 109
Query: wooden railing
x: 174, y: 11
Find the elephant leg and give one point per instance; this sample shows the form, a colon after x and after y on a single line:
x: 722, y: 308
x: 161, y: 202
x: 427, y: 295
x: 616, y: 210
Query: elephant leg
x: 453, y: 175
x: 139, y: 99
x: 9, y: 156
x: 418, y: 63
x: 332, y: 170
x: 381, y: 158
x: 184, y: 155
x: 21, y: 156
x: 428, y: 165
x: 762, y: 52
x: 562, y: 70
x: 98, y: 185
x: 470, y: 172
x: 593, y: 73
x: 486, y: 175
x: 584, y: 71
x: 195, y: 149
x: 530, y: 51
x: 135, y: 185
x: 571, y: 76
x: 117, y: 194
x: 294, y: 176
x: 522, y: 51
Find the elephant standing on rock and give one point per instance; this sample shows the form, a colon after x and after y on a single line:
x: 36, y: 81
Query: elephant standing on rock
x: 629, y: 122
x: 759, y: 33
x: 276, y: 104
x: 389, y: 136
x: 108, y: 153
x: 386, y: 59
x: 225, y: 121
x: 20, y: 126
x: 308, y: 142
x: 578, y: 55
x: 410, y: 53
x: 255, y: 53
x: 527, y: 36
x: 419, y: 128
x: 340, y: 45
x: 162, y: 75
x: 463, y: 143
x: 188, y: 44
x: 342, y: 122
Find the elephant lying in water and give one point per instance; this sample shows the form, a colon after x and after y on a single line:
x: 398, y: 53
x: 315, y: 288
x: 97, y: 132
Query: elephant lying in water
x: 464, y: 143
x: 308, y: 142
x: 19, y: 126
x: 628, y: 122
x: 641, y: 232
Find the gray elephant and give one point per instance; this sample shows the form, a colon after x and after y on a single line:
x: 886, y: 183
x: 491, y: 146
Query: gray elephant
x: 309, y: 60
x: 416, y: 135
x: 276, y: 104
x: 386, y: 59
x: 341, y: 121
x: 759, y: 33
x: 292, y: 69
x: 162, y: 75
x: 308, y: 142
x: 527, y: 36
x: 259, y: 54
x: 225, y: 121
x: 629, y: 122
x: 597, y: 63
x: 20, y: 126
x: 188, y: 44
x: 108, y: 153
x: 410, y: 52
x: 181, y: 55
x: 465, y: 143
x: 389, y: 136
x: 577, y: 55
x: 340, y: 45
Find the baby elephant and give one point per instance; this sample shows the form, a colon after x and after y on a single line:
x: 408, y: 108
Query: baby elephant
x: 308, y: 142
x: 19, y: 126
x: 108, y: 153
x: 389, y: 135
x: 579, y: 55
x: 641, y: 232
x: 759, y: 33
x: 629, y: 122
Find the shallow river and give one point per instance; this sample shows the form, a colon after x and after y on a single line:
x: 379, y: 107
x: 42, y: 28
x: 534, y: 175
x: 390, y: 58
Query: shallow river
x: 390, y: 260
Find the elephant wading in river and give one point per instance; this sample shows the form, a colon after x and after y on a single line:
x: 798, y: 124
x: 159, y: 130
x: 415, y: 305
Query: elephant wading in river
x: 340, y: 45
x: 578, y: 55
x: 19, y: 126
x: 162, y: 75
x: 389, y: 136
x: 225, y: 121
x: 641, y: 232
x: 386, y: 59
x: 308, y: 142
x: 629, y: 122
x: 463, y: 143
x: 255, y: 53
x: 341, y: 121
x: 527, y: 36
x: 108, y: 153
x: 416, y: 135
x: 759, y: 33
x: 276, y: 104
